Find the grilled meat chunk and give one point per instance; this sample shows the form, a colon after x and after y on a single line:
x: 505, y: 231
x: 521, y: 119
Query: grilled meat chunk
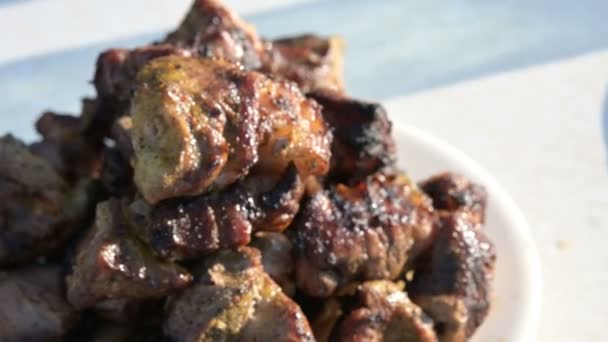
x: 383, y: 312
x: 311, y: 61
x: 34, y: 307
x: 277, y: 258
x: 232, y: 299
x: 188, y: 228
x: 111, y: 264
x: 201, y: 124
x: 364, y: 232
x: 452, y: 283
x: 117, y: 68
x: 212, y: 30
x: 452, y: 192
x: 39, y: 211
x: 362, y: 138
x: 73, y: 154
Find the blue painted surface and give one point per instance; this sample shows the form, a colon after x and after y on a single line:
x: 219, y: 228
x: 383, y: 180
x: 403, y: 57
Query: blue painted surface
x: 6, y: 2
x: 393, y: 47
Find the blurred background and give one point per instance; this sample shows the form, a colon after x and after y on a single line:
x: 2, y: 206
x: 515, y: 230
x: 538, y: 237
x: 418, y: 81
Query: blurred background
x: 519, y: 85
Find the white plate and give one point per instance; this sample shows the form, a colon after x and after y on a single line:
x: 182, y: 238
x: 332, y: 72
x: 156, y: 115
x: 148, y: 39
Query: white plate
x: 516, y: 301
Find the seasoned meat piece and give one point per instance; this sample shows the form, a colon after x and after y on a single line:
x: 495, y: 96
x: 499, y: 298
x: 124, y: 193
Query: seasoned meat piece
x: 277, y: 258
x: 117, y: 68
x: 189, y: 228
x: 201, y: 124
x: 364, y: 232
x: 111, y: 264
x: 39, y: 211
x: 311, y: 61
x: 33, y: 305
x: 212, y: 30
x: 363, y: 141
x: 65, y: 146
x: 452, y: 192
x: 232, y: 299
x: 384, y: 313
x: 453, y: 285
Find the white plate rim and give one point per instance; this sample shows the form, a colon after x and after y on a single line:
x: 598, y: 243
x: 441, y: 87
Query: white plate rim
x: 529, y: 316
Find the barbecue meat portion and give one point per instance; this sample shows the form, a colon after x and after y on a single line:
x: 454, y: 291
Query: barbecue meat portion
x: 117, y: 69
x: 188, y: 228
x: 363, y: 232
x: 277, y: 258
x: 362, y: 136
x: 383, y: 312
x: 39, y: 211
x: 452, y: 283
x: 34, y: 307
x: 110, y: 263
x: 65, y: 146
x: 202, y: 124
x: 212, y: 30
x: 311, y: 61
x: 233, y: 299
x: 452, y: 192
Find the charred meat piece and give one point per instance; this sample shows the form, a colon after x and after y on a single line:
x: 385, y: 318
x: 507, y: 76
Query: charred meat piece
x: 277, y: 258
x: 34, y: 307
x: 188, y: 228
x: 364, y: 232
x: 362, y: 138
x: 212, y: 30
x: 384, y: 313
x: 111, y: 264
x: 39, y: 211
x: 117, y: 68
x: 452, y: 192
x: 453, y: 286
x: 66, y: 147
x: 310, y: 61
x: 202, y: 124
x: 232, y: 299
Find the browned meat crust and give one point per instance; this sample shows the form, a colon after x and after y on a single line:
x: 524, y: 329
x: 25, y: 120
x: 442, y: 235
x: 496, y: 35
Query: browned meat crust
x: 111, y: 264
x: 364, y: 232
x: 362, y: 136
x: 232, y: 299
x: 452, y: 283
x: 383, y: 312
x: 33, y: 305
x: 188, y: 228
x: 66, y: 147
x: 310, y: 61
x: 452, y: 192
x: 202, y: 124
x: 212, y: 30
x: 39, y: 210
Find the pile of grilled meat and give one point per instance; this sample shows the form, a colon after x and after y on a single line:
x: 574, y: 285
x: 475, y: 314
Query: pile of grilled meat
x: 223, y: 187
